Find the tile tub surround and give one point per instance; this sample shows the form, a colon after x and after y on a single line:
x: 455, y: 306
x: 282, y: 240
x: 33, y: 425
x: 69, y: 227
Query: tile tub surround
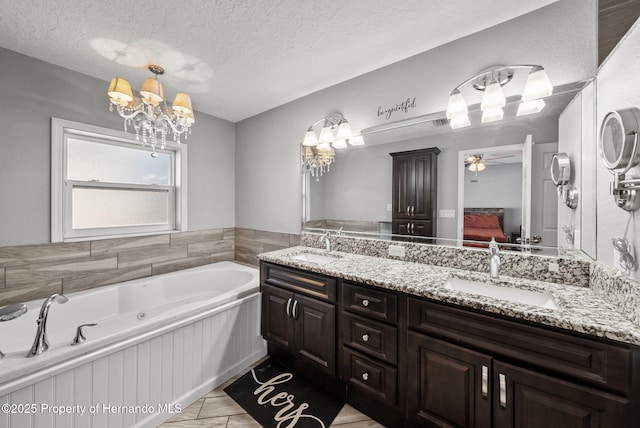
x: 251, y: 242
x: 527, y: 266
x: 31, y: 272
x: 582, y: 309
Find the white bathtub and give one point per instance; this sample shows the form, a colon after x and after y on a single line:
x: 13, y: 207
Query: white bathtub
x: 160, y: 341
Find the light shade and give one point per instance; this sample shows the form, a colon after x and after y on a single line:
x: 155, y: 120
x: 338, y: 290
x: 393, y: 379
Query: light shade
x: 339, y: 144
x: 457, y: 106
x: 356, y: 140
x: 459, y: 121
x: 538, y: 85
x: 120, y: 92
x: 344, y: 131
x: 310, y: 138
x: 326, y: 135
x: 152, y: 91
x: 182, y: 104
x: 492, y: 115
x: 493, y: 97
x: 530, y: 107
x: 477, y: 167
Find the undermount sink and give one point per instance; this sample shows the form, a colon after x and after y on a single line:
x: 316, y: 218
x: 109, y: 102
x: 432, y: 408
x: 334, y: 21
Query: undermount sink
x: 319, y: 259
x: 516, y: 295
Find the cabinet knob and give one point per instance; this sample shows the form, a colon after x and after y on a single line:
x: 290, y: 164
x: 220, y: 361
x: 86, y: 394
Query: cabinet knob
x: 365, y: 302
x: 365, y: 376
x: 365, y: 337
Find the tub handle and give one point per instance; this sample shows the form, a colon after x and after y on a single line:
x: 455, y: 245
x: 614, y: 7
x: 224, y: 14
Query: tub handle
x: 79, y: 336
x: 295, y: 310
x: 289, y: 307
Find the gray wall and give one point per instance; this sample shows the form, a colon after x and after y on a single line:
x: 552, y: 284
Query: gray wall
x: 617, y: 88
x: 33, y: 92
x: 561, y: 36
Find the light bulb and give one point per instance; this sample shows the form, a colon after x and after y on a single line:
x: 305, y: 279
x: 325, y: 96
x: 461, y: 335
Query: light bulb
x: 538, y: 85
x: 459, y: 121
x: 530, y: 107
x: 457, y: 105
x: 492, y: 115
x: 340, y: 144
x: 344, y: 131
x: 493, y: 97
x: 310, y: 138
x: 356, y: 140
x: 326, y: 135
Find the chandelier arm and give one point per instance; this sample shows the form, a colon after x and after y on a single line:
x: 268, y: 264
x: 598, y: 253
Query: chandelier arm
x: 132, y: 116
x: 332, y: 118
x: 497, y: 69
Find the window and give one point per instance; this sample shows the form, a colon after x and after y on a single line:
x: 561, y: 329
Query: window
x: 106, y: 184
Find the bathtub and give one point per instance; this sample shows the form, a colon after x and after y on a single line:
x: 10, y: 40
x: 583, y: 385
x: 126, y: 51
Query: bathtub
x: 160, y: 343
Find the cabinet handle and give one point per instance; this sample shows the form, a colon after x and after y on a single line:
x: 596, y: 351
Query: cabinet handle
x: 365, y: 302
x: 295, y: 310
x: 413, y: 225
x: 365, y: 337
x: 289, y: 307
x: 413, y: 210
x: 485, y: 381
x: 408, y: 210
x: 503, y: 391
x: 365, y: 376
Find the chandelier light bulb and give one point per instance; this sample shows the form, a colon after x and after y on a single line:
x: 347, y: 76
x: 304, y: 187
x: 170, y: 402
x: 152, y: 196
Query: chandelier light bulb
x: 310, y: 138
x: 344, y: 131
x: 457, y: 106
x: 152, y: 91
x: 530, y: 107
x: 493, y: 97
x: 120, y: 92
x: 538, y: 85
x: 492, y: 115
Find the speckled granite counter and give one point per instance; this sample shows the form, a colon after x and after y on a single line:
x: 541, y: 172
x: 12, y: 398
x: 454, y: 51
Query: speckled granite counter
x: 581, y: 308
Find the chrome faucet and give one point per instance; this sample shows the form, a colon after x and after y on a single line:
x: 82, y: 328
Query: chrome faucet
x: 494, y: 258
x: 11, y: 312
x: 327, y: 240
x: 41, y: 344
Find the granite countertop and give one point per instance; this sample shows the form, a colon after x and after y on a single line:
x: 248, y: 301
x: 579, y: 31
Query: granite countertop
x: 580, y: 308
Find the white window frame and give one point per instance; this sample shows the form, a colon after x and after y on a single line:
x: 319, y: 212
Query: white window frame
x: 61, y: 188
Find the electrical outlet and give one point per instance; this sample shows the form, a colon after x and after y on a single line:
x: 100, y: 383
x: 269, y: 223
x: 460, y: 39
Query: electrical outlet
x: 396, y: 250
x: 554, y: 267
x: 447, y: 214
x: 389, y: 207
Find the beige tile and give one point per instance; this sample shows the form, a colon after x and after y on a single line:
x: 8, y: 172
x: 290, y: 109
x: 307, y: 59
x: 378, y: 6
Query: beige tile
x: 247, y: 257
x: 151, y: 254
x: 294, y: 240
x: 172, y: 266
x: 229, y: 233
x: 221, y: 257
x: 242, y: 421
x: 113, y: 246
x: 349, y: 415
x: 46, y: 273
x: 272, y: 247
x: 42, y: 253
x: 184, y: 238
x: 363, y: 424
x: 2, y: 277
x: 189, y: 413
x: 210, y: 247
x: 220, y: 422
x: 9, y: 296
x: 220, y: 406
x: 84, y: 282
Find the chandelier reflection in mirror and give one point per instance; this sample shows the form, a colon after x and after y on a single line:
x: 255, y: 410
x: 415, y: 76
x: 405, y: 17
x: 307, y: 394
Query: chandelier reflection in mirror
x: 149, y: 115
x: 317, y: 150
x: 491, y: 82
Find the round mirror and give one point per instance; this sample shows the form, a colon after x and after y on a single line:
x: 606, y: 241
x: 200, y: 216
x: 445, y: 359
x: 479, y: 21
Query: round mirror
x: 618, y: 145
x: 560, y: 169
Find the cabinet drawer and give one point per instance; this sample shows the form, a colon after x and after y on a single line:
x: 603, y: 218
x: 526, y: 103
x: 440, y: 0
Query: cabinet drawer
x: 377, y: 378
x: 599, y: 363
x: 367, y: 301
x: 372, y: 337
x: 303, y: 282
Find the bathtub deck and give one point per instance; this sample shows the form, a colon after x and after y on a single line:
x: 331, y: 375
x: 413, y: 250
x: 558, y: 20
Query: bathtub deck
x: 217, y: 409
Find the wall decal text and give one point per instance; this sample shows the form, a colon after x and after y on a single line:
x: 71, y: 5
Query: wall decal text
x: 403, y: 106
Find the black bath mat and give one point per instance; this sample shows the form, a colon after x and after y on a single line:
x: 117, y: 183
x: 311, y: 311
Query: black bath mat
x: 273, y: 394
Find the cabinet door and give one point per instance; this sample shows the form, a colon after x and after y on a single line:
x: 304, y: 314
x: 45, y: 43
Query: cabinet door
x: 403, y: 187
x: 425, y: 176
x: 527, y: 399
x: 315, y: 333
x: 277, y: 325
x: 448, y: 386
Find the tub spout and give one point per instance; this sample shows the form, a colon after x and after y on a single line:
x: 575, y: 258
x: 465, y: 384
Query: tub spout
x: 11, y: 312
x: 41, y: 344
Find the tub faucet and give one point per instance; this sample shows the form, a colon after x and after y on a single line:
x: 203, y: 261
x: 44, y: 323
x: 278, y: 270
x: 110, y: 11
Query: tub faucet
x: 11, y: 312
x: 327, y: 239
x: 494, y: 258
x: 41, y: 344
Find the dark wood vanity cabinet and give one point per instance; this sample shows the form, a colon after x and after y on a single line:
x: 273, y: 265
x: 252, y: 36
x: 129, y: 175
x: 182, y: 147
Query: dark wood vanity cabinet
x: 414, y: 192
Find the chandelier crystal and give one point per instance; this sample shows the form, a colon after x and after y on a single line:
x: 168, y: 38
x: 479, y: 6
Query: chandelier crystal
x: 149, y: 114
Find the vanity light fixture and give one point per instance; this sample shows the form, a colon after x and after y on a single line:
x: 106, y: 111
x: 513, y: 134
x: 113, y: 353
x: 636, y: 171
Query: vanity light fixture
x: 150, y: 116
x: 317, y: 151
x: 491, y: 82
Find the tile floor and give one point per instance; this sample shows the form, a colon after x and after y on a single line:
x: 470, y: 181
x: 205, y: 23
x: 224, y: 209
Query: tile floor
x: 217, y: 409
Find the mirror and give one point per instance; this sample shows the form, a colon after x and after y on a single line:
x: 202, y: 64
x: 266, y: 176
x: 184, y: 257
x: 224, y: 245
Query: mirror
x: 356, y: 194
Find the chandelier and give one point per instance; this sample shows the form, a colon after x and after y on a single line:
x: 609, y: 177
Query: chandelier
x: 491, y: 82
x: 149, y: 115
x: 317, y: 150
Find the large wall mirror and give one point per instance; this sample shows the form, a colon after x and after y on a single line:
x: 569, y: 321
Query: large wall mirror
x: 356, y: 194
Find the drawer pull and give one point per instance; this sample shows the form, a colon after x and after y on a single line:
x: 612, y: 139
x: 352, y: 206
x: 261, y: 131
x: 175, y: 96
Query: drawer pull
x: 503, y: 391
x: 365, y: 337
x: 485, y: 381
x: 289, y: 307
x: 294, y: 312
x: 365, y: 376
x: 365, y: 302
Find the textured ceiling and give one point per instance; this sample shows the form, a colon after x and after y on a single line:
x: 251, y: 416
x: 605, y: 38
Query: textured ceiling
x: 237, y: 58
